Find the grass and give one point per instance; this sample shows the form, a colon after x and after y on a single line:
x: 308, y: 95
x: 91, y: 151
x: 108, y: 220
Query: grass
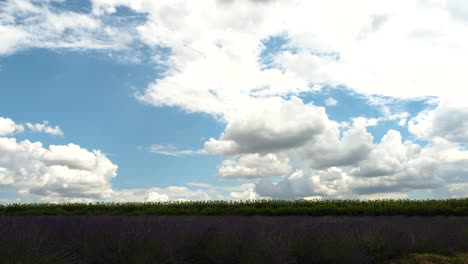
x: 428, y: 258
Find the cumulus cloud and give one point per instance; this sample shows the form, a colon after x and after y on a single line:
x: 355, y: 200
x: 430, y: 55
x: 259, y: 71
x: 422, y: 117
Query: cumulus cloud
x: 329, y: 149
x: 365, y: 122
x: 289, y: 188
x: 331, y: 183
x: 275, y: 126
x: 386, y: 195
x: 445, y: 121
x: 156, y: 197
x: 255, y: 166
x: 437, y: 165
x: 63, y: 171
x: 248, y: 193
x: 387, y: 116
x: 389, y: 157
x: 8, y: 127
x: 214, y: 65
x: 392, y: 167
x: 331, y: 101
x: 197, y: 192
x: 45, y: 128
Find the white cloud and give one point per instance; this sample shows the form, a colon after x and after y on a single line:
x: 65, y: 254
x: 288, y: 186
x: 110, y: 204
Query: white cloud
x: 6, y: 177
x: 45, y: 128
x: 403, y: 48
x: 362, y: 121
x: 399, y: 48
x: 312, y: 198
x: 458, y: 9
x: 406, y: 56
x: 248, y: 193
x: 255, y: 166
x: 170, y: 150
x: 389, y: 157
x: 32, y: 24
x: 390, y: 169
x: 8, y: 127
x: 329, y: 149
x: 63, y: 171
x: 289, y: 189
x: 156, y: 197
x: 445, y: 121
x: 12, y: 39
x: 331, y: 101
x: 269, y: 127
x: 180, y: 193
x: 380, y: 196
x: 199, y: 184
x: 365, y: 122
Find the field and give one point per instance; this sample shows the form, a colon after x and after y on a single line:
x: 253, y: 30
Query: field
x: 238, y: 233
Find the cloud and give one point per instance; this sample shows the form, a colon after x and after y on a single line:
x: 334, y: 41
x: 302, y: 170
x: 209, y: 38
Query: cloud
x: 365, y: 122
x: 31, y: 24
x: 388, y: 116
x: 12, y: 39
x: 181, y: 193
x: 395, y: 59
x: 331, y: 101
x: 8, y: 127
x: 65, y: 171
x: 458, y: 9
x: 392, y: 167
x: 329, y: 150
x: 287, y: 189
x: 255, y: 166
x: 248, y: 193
x: 170, y: 150
x: 45, y: 128
x: 331, y: 182
x: 156, y: 197
x: 399, y: 49
x: 387, y: 195
x: 403, y: 49
x: 276, y: 126
x: 389, y: 157
x: 445, y: 121
x: 199, y: 184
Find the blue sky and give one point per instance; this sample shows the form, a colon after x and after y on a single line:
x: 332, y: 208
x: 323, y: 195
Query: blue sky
x: 92, y: 98
x: 139, y: 101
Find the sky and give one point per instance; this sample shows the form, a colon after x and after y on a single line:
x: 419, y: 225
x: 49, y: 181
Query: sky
x: 147, y: 101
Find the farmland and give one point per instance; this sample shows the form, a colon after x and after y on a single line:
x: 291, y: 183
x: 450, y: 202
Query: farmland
x: 227, y: 239
x: 267, y: 231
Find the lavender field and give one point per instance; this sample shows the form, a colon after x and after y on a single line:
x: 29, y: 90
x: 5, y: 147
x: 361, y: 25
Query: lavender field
x: 227, y: 239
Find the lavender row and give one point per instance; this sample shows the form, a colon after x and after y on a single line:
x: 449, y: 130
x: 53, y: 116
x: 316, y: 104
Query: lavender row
x: 226, y: 239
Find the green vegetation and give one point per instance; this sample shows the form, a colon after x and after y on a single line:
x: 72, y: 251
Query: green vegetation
x: 459, y: 258
x: 456, y: 207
